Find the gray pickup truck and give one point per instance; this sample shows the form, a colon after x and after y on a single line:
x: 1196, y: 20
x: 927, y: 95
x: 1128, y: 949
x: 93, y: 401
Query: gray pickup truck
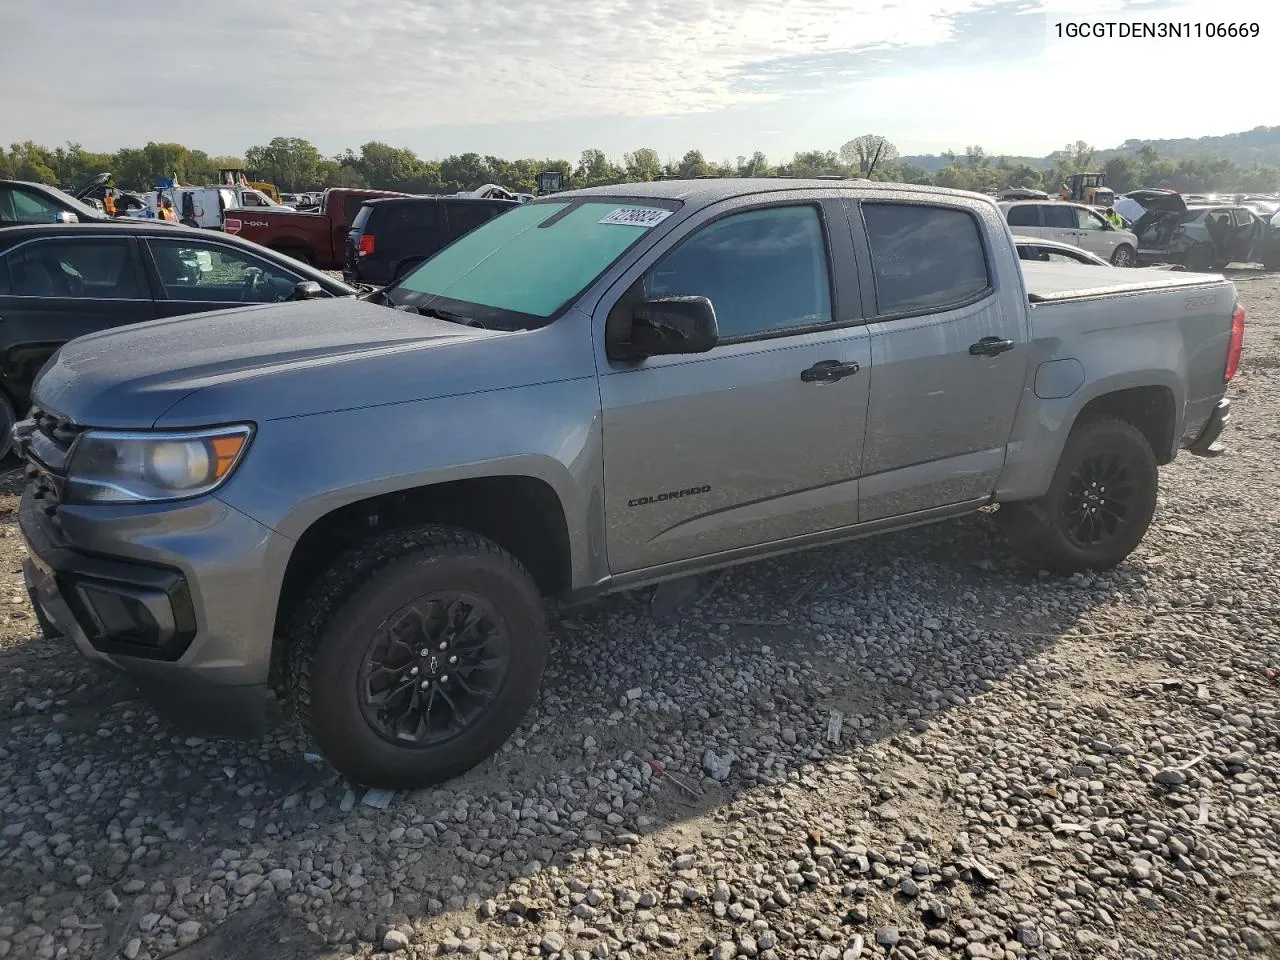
x: 357, y: 506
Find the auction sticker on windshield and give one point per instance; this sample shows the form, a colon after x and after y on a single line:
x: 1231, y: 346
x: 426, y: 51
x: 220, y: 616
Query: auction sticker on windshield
x: 636, y: 216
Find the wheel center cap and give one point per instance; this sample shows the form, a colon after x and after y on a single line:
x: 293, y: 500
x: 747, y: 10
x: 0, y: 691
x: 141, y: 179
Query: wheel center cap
x: 433, y: 664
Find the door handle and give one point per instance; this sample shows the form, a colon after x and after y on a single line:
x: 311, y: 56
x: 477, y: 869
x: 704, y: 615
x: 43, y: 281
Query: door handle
x: 828, y: 371
x: 990, y: 347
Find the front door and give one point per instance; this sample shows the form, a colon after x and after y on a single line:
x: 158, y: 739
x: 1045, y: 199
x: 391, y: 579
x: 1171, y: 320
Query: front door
x: 1060, y: 223
x: 759, y: 439
x: 54, y: 289
x: 948, y: 358
x: 1095, y: 234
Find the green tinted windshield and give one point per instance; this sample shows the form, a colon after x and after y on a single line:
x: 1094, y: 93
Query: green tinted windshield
x: 534, y: 258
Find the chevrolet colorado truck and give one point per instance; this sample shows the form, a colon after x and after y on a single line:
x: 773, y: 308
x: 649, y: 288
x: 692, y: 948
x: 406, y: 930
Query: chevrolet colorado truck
x: 316, y: 237
x: 357, y: 507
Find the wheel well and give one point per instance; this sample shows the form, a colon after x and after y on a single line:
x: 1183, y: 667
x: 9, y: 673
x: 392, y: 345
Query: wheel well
x: 521, y: 514
x: 1150, y: 409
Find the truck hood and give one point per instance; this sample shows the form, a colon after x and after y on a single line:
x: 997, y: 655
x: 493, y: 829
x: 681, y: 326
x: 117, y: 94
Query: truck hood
x: 259, y: 362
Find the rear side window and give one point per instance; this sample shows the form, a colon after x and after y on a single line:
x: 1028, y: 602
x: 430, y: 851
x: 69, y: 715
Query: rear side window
x: 404, y: 220
x: 89, y: 268
x: 924, y: 258
x: 465, y: 217
x: 1023, y: 216
x: 357, y: 225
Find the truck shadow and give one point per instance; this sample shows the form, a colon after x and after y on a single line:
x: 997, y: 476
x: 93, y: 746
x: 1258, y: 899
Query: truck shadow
x: 616, y: 747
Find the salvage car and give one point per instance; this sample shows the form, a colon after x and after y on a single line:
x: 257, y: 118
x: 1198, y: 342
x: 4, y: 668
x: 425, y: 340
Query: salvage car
x: 1051, y: 251
x: 23, y: 202
x: 61, y: 282
x: 393, y: 235
x: 1199, y: 236
x: 1073, y: 223
x: 357, y: 506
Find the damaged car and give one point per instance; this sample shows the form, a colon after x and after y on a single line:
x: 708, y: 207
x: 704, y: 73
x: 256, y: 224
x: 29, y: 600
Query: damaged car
x: 1200, y: 236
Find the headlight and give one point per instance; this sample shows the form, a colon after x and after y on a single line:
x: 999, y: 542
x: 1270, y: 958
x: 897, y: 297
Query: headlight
x: 110, y: 467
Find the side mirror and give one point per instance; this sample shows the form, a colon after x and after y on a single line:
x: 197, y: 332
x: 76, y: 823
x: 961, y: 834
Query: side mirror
x: 668, y: 325
x: 306, y: 290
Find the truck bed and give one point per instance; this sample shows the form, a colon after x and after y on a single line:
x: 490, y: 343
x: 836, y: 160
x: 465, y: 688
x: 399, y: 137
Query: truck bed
x: 1053, y: 282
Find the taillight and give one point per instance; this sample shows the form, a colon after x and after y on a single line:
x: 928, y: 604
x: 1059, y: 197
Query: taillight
x: 1236, y: 344
x: 365, y: 247
x: 230, y: 225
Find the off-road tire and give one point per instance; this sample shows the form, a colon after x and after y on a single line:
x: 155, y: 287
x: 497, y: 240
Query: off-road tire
x: 1039, y: 528
x: 295, y: 253
x: 335, y: 626
x: 1130, y: 256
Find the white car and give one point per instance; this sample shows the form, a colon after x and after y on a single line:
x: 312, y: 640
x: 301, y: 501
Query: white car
x: 1051, y: 251
x: 1074, y: 224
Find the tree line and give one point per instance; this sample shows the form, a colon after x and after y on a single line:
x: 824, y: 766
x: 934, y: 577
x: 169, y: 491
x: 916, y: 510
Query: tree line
x: 294, y: 164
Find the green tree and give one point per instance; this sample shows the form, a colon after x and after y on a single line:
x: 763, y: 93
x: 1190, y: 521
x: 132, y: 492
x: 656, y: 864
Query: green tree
x: 290, y: 163
x: 594, y: 168
x: 816, y: 163
x: 464, y: 172
x: 29, y: 161
x: 641, y: 166
x: 1121, y: 173
x: 692, y: 164
x: 756, y: 165
x: 388, y: 168
x: 861, y: 152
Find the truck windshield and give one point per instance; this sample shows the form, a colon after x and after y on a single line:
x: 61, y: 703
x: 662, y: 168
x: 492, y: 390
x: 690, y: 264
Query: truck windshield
x: 523, y: 267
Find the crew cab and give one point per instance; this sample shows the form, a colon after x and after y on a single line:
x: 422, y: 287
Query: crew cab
x: 356, y: 507
x: 316, y: 237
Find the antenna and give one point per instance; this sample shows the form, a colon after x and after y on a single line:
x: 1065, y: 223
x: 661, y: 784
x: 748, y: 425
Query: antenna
x: 876, y: 159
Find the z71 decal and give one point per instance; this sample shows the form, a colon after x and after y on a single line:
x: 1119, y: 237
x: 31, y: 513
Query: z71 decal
x: 669, y: 495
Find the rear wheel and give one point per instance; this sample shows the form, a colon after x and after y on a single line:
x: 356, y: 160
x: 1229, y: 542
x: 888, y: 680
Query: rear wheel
x: 302, y: 256
x: 1123, y: 256
x: 416, y: 657
x: 1099, y: 505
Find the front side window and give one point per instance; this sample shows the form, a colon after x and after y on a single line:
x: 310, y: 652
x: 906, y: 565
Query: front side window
x: 762, y: 270
x: 19, y: 206
x: 208, y: 272
x: 924, y: 257
x: 518, y: 270
x: 1088, y: 220
x: 81, y: 268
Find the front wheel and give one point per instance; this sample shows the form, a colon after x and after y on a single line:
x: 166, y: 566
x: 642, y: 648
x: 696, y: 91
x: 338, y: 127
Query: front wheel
x: 7, y: 419
x: 1123, y: 256
x: 1099, y: 505
x: 416, y: 657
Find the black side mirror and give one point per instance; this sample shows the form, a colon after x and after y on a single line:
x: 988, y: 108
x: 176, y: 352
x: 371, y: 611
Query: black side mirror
x: 306, y: 290
x: 666, y: 325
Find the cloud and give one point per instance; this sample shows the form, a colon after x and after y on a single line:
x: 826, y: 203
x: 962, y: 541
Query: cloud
x: 241, y: 64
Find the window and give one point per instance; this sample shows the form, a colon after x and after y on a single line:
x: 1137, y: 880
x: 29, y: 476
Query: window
x: 924, y: 257
x: 80, y: 267
x: 1060, y: 216
x: 403, y: 220
x: 465, y: 217
x: 762, y: 270
x: 251, y: 199
x: 530, y: 262
x: 19, y: 206
x: 208, y: 272
x: 1088, y: 220
x: 1024, y: 215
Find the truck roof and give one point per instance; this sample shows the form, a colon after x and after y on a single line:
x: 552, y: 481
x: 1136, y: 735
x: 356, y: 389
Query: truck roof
x: 702, y: 192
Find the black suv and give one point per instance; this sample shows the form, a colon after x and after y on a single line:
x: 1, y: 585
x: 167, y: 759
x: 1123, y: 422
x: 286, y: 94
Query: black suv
x: 389, y: 236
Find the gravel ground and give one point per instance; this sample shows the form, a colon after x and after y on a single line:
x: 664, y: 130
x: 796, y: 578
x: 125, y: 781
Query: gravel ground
x: 910, y: 747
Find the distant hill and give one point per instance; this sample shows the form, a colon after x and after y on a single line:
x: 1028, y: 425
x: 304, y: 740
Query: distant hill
x: 1260, y: 145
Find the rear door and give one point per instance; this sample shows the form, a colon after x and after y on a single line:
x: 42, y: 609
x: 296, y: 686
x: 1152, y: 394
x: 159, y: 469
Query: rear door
x: 189, y: 275
x: 54, y: 289
x: 948, y: 356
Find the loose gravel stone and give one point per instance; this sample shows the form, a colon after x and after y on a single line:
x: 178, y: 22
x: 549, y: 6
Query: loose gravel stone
x: 1025, y: 766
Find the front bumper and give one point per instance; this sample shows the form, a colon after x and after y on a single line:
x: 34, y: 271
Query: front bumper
x: 1206, y: 444
x: 180, y: 596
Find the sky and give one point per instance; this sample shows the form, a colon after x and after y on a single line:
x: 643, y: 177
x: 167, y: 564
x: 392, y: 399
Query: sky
x: 541, y: 79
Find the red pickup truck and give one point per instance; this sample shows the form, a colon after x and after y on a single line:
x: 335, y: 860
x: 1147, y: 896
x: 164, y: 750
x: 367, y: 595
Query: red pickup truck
x: 315, y: 237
